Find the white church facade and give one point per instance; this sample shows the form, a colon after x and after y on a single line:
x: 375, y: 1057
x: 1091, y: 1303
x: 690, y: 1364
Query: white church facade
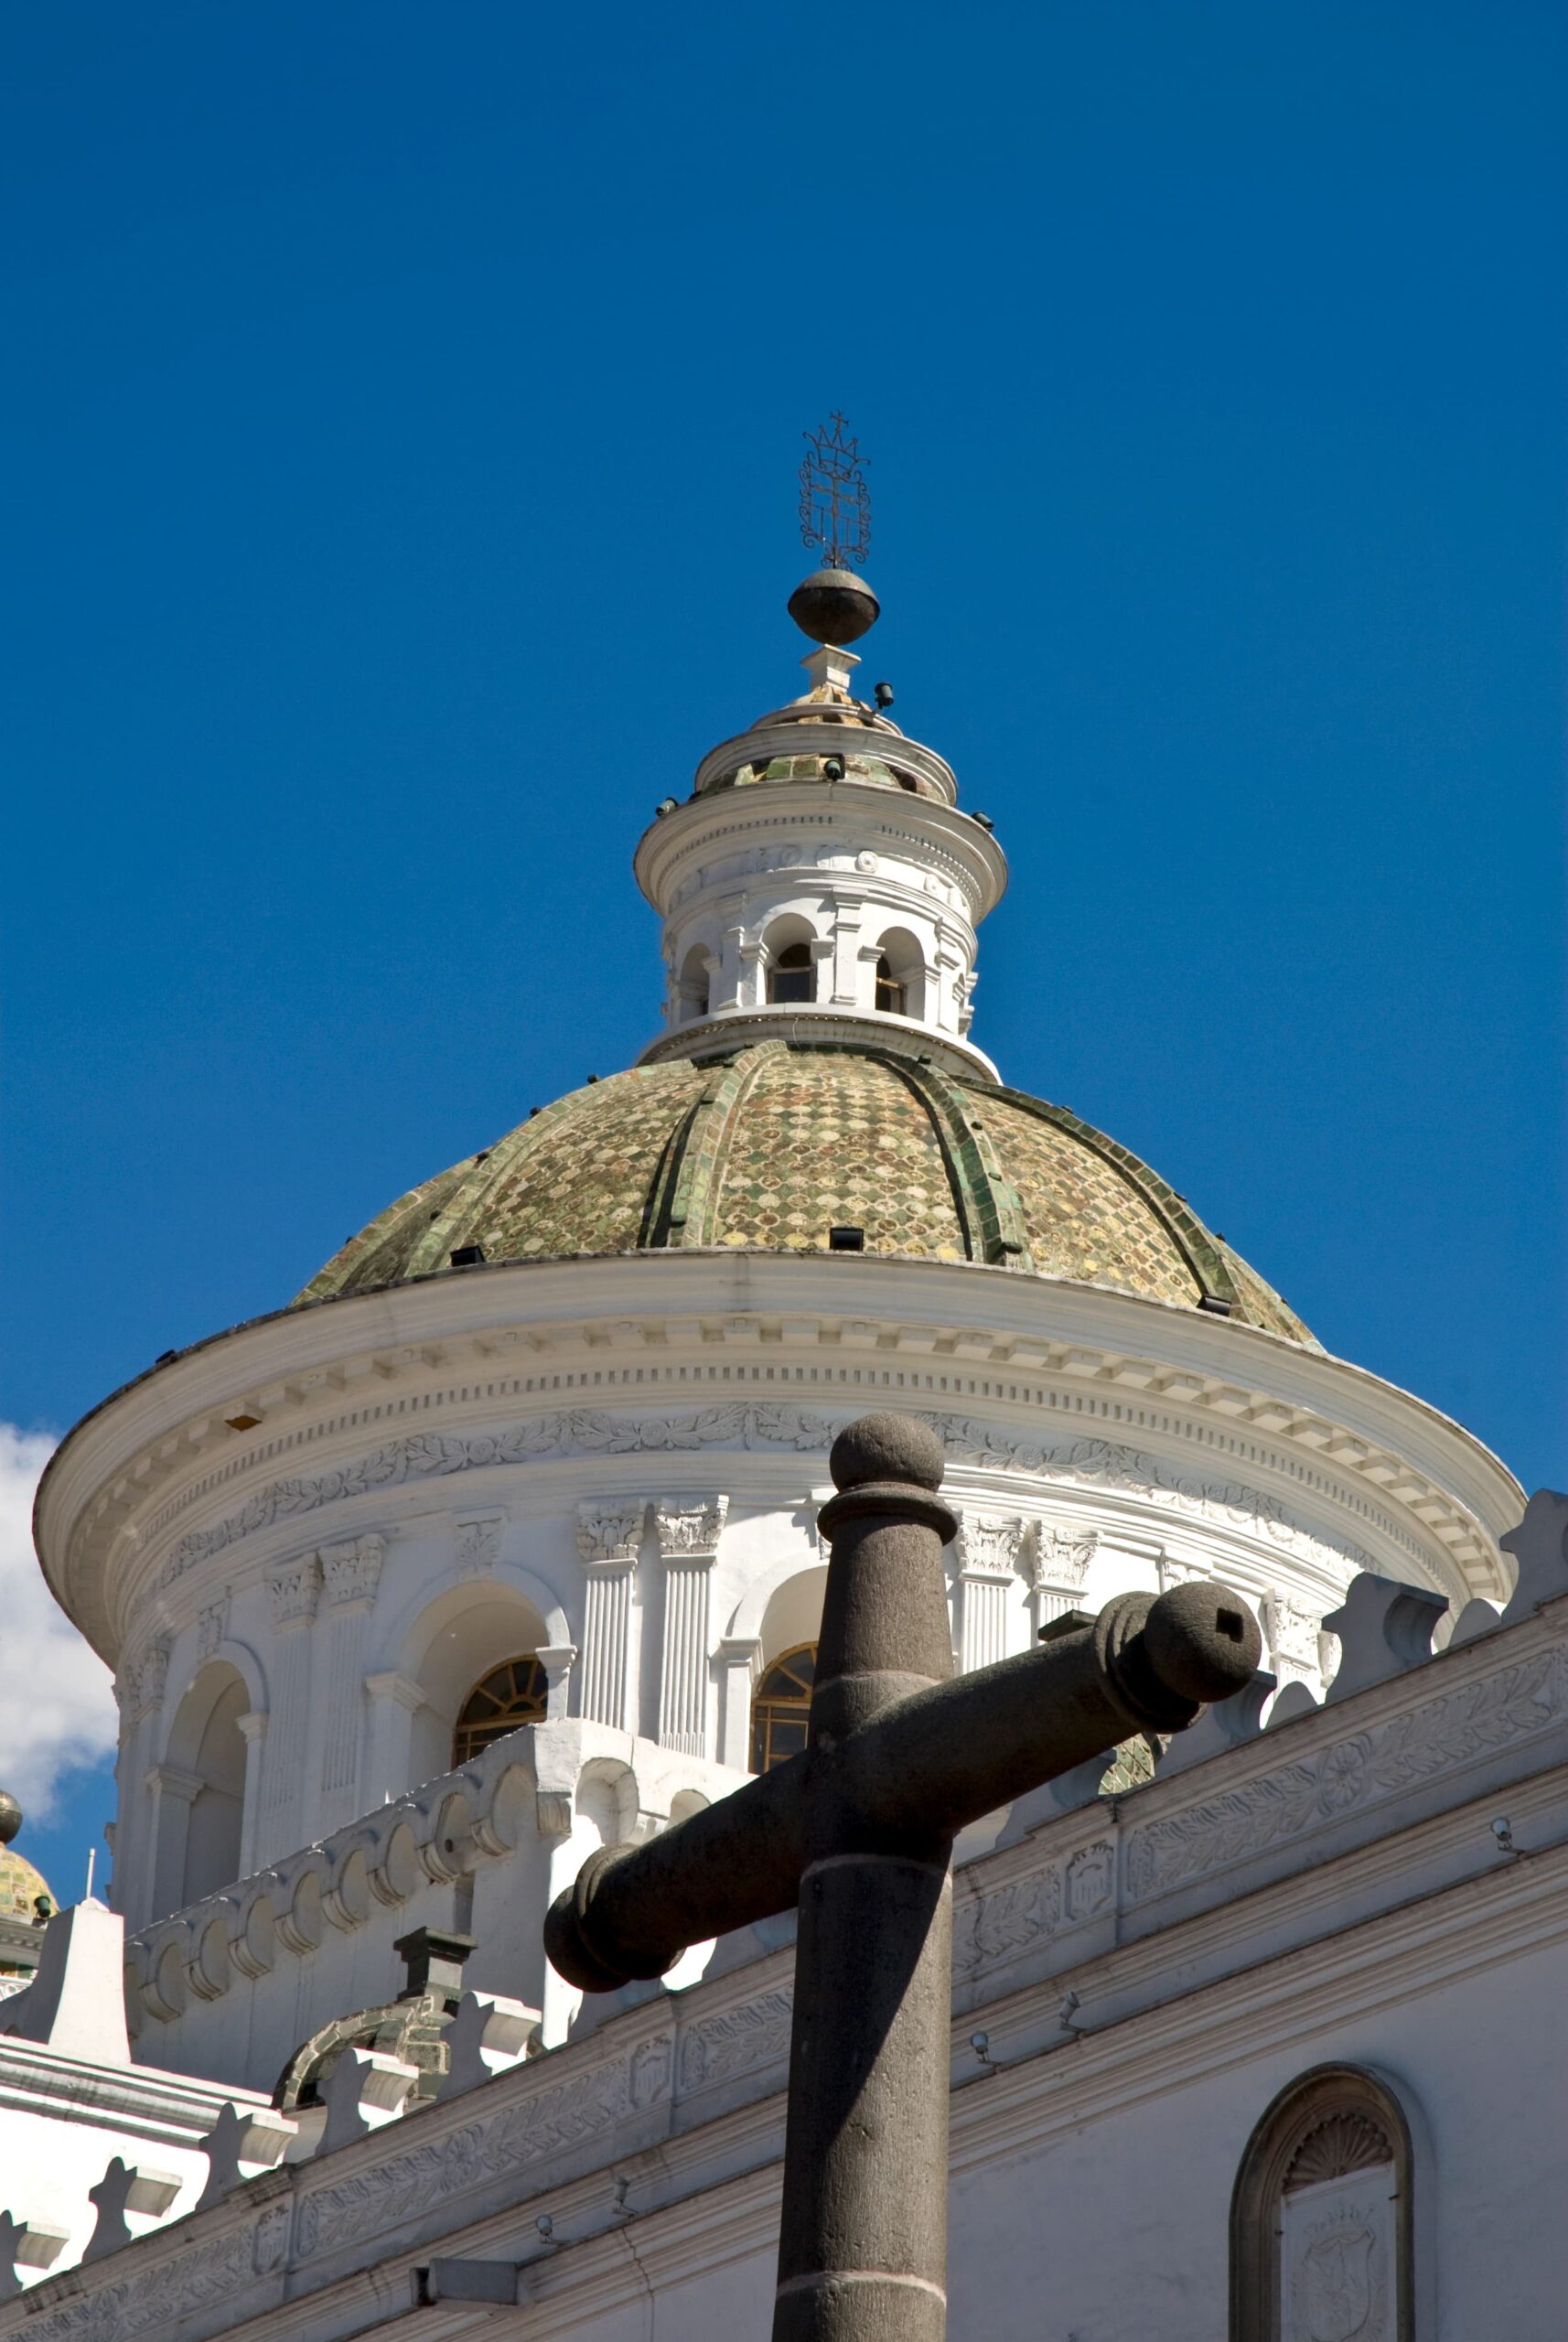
x: 499, y: 1544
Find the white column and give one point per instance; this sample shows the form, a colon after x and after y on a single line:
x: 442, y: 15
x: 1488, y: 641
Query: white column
x: 295, y: 1587
x: 146, y: 1681
x: 845, y: 993
x: 989, y: 1545
x: 389, y: 1742
x: 688, y: 1531
x: 740, y: 1662
x: 172, y: 1792
x: 253, y: 1732
x: 610, y: 1534
x: 351, y: 1572
x: 1061, y: 1560
x: 556, y: 1660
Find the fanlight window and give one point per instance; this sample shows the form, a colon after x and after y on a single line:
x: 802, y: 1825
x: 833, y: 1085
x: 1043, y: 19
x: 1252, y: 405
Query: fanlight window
x: 780, y: 1710
x: 891, y: 995
x: 503, y: 1700
x: 790, y: 978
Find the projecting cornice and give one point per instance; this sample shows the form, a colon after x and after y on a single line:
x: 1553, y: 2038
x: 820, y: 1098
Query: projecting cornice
x: 304, y: 1396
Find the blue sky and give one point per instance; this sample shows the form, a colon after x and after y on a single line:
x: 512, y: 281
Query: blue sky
x: 406, y: 405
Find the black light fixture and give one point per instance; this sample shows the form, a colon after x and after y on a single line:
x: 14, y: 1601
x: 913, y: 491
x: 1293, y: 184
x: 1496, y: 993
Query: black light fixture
x: 832, y: 768
x: 882, y: 694
x: 983, y: 820
x: 467, y: 1256
x: 846, y: 1239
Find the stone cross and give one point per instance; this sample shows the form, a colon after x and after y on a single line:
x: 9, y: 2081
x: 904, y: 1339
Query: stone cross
x: 858, y: 1832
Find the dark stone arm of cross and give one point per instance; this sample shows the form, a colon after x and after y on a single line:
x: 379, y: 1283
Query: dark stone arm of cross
x: 858, y: 1830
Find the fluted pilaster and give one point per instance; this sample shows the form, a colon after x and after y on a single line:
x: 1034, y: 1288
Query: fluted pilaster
x: 689, y: 1531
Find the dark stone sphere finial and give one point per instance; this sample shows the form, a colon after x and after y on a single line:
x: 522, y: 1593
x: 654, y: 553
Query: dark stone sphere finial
x: 834, y: 605
x: 1202, y: 1641
x: 886, y: 1447
x: 10, y: 1817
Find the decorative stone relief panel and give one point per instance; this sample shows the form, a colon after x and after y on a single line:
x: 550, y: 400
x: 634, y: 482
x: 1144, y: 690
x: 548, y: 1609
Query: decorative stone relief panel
x: 479, y: 1543
x: 1322, y: 2231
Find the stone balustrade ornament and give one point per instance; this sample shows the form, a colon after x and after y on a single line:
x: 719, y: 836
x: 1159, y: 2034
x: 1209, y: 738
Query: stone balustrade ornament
x: 26, y: 2244
x: 1222, y: 1728
x: 1383, y: 1628
x: 857, y: 1831
x: 125, y: 2188
x: 242, y: 2143
x: 488, y: 2036
x: 1540, y: 1549
x: 364, y: 2091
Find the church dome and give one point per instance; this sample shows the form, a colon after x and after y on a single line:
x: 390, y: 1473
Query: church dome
x: 20, y: 1886
x: 774, y: 1146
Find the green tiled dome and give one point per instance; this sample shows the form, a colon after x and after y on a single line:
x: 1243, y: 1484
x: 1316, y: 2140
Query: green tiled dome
x: 771, y: 1147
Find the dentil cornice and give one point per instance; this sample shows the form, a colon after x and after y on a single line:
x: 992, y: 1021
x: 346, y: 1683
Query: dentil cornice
x: 651, y: 1334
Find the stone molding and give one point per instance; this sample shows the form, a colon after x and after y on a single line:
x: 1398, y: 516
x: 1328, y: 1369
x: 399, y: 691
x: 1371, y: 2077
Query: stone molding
x: 752, y: 1425
x: 1352, y: 1471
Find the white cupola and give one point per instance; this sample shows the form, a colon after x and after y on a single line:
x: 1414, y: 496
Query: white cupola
x: 820, y: 883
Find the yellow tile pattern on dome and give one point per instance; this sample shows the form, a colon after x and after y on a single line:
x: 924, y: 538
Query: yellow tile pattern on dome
x: 20, y: 1884
x: 1084, y: 1219
x: 577, y: 1180
x: 825, y: 1138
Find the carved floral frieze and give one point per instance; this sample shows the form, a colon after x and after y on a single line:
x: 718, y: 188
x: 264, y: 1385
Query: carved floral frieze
x: 1096, y: 1463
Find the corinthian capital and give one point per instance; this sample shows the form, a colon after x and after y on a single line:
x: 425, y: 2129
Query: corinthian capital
x: 295, y: 1587
x: 352, y: 1569
x: 689, y: 1528
x: 1062, y: 1557
x: 989, y: 1543
x: 610, y: 1529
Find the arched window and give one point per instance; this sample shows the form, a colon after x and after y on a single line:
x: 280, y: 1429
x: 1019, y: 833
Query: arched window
x: 503, y: 1700
x: 780, y: 1708
x: 900, y: 986
x: 890, y: 993
x: 1321, y: 2220
x: 789, y: 977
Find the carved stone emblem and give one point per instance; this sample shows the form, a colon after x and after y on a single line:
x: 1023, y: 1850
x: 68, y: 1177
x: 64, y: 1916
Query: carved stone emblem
x: 479, y: 1544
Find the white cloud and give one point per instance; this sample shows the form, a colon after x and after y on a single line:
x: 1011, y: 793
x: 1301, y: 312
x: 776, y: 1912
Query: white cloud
x: 56, y: 1709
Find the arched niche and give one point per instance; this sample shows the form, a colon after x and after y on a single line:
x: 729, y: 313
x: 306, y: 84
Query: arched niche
x: 900, y: 974
x: 451, y: 1647
x: 201, y: 1789
x: 1323, y: 2215
x: 789, y: 959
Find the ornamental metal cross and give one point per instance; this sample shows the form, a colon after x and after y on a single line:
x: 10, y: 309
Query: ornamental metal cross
x: 858, y: 1830
x: 835, y: 503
